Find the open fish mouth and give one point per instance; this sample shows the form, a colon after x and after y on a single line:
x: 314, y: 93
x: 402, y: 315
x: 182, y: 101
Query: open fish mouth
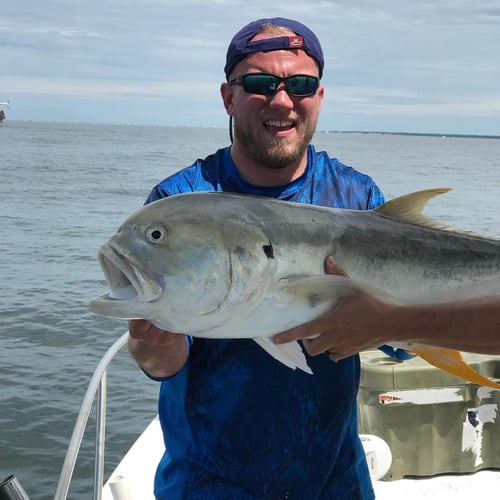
x: 126, y: 281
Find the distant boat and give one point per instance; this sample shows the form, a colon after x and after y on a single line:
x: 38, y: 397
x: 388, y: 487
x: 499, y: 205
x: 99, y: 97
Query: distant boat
x: 2, y: 113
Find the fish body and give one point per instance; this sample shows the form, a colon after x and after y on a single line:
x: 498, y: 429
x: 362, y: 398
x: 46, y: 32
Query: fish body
x: 221, y: 265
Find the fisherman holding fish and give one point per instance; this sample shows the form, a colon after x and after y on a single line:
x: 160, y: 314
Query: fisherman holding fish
x: 238, y: 424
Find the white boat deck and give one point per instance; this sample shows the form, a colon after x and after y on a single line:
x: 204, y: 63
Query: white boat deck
x: 133, y: 478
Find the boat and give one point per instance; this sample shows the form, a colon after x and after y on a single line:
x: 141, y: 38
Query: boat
x: 2, y: 112
x: 133, y: 477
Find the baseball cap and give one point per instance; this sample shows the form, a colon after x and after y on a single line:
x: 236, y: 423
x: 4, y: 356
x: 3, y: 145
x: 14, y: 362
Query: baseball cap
x: 241, y: 45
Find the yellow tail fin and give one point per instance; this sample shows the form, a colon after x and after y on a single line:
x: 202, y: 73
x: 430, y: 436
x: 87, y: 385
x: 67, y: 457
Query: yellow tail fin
x: 452, y: 362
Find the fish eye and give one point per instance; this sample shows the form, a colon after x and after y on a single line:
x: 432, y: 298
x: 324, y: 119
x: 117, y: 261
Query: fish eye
x: 156, y: 234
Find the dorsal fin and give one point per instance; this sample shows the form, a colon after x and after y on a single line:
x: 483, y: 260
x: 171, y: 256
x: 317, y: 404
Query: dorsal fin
x: 409, y: 207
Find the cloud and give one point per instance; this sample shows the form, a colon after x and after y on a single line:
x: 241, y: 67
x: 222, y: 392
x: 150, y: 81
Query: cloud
x: 374, y: 101
x: 106, y: 88
x: 423, y: 58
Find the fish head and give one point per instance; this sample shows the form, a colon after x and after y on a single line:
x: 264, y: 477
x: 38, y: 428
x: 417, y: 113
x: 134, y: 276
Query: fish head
x: 184, y: 266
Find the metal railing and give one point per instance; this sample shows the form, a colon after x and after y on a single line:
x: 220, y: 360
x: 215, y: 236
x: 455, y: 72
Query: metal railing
x: 97, y: 388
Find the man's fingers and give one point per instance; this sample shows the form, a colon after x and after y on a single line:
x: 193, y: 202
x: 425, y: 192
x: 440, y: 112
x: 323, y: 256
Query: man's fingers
x: 309, y: 330
x: 316, y: 346
x: 331, y: 267
x: 338, y: 357
x: 290, y: 335
x: 139, y: 328
x: 305, y: 331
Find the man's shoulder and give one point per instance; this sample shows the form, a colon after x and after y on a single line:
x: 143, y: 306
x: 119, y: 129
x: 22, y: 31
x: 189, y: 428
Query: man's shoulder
x: 342, y: 183
x: 212, y: 162
x: 332, y: 165
x: 202, y: 175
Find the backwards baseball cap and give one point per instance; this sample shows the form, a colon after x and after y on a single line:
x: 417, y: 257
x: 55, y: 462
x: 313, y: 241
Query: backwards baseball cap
x: 304, y: 39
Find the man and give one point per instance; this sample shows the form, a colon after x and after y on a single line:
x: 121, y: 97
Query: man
x: 237, y: 423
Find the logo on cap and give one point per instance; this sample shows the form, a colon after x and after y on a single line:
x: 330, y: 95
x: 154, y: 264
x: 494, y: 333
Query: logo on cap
x: 295, y: 42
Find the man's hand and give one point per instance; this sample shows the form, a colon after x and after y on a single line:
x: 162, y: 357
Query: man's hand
x: 143, y: 330
x: 354, y: 325
x: 160, y: 353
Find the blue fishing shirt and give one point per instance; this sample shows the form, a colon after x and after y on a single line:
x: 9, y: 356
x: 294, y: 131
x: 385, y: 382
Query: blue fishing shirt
x: 237, y: 423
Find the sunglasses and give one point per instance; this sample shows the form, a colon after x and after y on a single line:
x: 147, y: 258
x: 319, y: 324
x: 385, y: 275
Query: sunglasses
x: 264, y: 84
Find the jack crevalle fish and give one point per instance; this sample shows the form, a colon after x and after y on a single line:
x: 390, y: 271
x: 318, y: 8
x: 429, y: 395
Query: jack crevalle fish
x: 221, y: 265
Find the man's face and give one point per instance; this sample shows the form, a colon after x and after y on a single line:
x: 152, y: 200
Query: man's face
x: 274, y: 130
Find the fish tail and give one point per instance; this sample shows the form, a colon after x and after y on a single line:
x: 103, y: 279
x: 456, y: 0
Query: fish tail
x: 451, y: 361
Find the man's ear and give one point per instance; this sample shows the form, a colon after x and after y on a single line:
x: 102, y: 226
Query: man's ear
x: 227, y: 93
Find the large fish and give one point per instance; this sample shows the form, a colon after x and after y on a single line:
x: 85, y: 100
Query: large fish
x: 220, y: 265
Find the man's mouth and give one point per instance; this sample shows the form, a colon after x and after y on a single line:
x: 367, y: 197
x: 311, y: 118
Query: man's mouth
x: 279, y: 124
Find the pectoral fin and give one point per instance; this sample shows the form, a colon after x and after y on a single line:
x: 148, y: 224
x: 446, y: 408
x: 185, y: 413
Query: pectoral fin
x: 327, y: 288
x: 452, y: 362
x: 289, y: 354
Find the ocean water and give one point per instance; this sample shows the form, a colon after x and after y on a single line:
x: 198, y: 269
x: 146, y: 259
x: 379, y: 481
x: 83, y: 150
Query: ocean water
x: 64, y: 190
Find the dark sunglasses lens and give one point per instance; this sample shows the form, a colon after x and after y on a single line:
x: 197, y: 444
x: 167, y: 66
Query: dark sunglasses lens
x: 302, y: 85
x: 260, y: 84
x: 298, y: 85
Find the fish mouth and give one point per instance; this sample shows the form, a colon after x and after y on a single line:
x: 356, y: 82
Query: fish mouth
x: 126, y: 280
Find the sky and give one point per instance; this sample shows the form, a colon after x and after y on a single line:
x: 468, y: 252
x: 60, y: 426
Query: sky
x: 426, y: 66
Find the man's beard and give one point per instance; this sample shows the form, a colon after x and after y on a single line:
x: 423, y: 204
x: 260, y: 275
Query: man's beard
x: 277, y: 155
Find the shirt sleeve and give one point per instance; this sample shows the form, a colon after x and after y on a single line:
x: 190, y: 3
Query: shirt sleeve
x: 399, y: 354
x: 157, y: 193
x: 375, y: 196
